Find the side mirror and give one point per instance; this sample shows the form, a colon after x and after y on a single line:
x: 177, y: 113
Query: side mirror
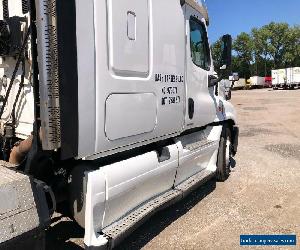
x: 233, y: 78
x: 226, y: 52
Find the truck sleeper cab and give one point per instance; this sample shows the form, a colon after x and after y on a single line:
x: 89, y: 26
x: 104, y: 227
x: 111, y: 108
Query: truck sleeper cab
x: 126, y: 111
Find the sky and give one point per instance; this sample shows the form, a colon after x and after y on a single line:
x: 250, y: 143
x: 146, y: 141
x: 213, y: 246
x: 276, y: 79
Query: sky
x: 235, y: 16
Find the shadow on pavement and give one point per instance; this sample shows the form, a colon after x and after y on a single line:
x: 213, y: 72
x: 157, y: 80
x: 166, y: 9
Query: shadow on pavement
x: 164, y: 218
x: 64, y: 235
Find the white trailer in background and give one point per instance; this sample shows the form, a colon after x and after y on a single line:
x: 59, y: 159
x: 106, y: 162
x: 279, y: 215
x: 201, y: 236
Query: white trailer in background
x: 240, y: 84
x: 279, y: 78
x: 293, y: 77
x: 257, y: 82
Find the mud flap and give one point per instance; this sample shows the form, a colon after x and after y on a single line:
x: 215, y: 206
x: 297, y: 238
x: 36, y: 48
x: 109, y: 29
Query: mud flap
x: 24, y: 215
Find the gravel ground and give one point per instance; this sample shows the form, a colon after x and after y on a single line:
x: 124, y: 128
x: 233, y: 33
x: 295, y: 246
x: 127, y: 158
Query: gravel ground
x: 262, y: 195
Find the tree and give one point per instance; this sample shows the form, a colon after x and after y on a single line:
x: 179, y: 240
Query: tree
x: 292, y: 54
x: 273, y: 46
x: 261, y: 48
x: 278, y: 40
x: 243, y: 46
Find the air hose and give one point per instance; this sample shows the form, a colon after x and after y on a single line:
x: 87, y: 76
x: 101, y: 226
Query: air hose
x: 21, y: 85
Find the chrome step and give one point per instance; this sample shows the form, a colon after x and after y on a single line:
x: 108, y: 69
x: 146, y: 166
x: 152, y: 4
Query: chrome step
x: 199, y: 144
x: 122, y: 228
x: 194, y: 182
x: 126, y: 225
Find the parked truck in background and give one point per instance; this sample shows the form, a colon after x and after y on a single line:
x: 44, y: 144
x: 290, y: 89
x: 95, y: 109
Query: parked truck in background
x: 268, y: 82
x: 279, y: 78
x: 240, y: 84
x: 257, y: 82
x: 286, y: 78
x: 111, y: 107
x: 293, y: 77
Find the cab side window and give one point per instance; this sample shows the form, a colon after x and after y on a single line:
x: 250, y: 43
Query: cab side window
x: 199, y: 44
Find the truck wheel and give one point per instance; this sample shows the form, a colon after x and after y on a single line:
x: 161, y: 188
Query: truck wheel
x: 224, y: 154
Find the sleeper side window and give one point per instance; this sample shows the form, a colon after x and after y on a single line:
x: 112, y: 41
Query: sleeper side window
x: 199, y: 44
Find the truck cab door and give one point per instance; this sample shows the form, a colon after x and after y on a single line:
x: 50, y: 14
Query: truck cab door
x: 200, y: 99
x: 195, y: 151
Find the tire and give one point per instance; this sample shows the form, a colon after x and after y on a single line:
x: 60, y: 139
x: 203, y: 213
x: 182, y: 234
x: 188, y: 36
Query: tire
x: 224, y: 154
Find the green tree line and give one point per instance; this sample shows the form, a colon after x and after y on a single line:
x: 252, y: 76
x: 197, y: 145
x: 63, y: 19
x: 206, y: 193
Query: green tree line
x: 273, y: 46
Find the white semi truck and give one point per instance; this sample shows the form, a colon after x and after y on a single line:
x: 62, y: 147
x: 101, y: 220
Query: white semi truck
x: 111, y: 107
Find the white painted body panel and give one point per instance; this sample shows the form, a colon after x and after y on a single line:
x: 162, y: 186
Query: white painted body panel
x: 138, y: 116
x: 192, y: 161
x: 136, y: 180
x: 166, y: 57
x: 86, y: 76
x: 95, y: 208
x: 128, y: 38
x: 114, y: 190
